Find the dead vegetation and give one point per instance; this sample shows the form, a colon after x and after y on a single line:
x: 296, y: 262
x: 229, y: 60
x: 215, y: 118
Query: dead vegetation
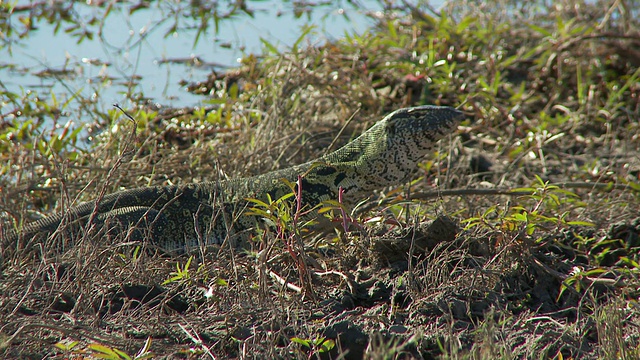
x: 547, y: 271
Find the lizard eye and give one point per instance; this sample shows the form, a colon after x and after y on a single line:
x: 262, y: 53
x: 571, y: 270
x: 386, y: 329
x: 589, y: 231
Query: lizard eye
x: 391, y: 129
x: 392, y: 134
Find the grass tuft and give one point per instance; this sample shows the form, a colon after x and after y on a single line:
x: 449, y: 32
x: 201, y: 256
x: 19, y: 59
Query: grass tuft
x: 543, y: 181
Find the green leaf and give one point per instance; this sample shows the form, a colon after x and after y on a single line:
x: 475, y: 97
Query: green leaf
x: 306, y: 30
x: 66, y: 346
x: 105, y: 352
x: 522, y: 190
x: 285, y: 197
x: 465, y: 23
x: 300, y: 341
x: 392, y: 30
x: 630, y: 262
x: 540, y: 30
x: 270, y: 47
x: 581, y: 223
x: 258, y: 212
x: 614, y: 98
x: 258, y: 202
x: 596, y: 271
x: 325, y: 345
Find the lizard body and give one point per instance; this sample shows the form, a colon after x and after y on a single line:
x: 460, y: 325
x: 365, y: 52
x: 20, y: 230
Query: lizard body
x: 181, y: 217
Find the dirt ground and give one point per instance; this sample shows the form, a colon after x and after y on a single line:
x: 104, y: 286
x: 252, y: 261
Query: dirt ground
x: 518, y: 239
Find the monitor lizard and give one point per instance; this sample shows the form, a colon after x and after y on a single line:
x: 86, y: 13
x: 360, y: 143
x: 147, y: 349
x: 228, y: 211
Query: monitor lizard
x: 180, y: 217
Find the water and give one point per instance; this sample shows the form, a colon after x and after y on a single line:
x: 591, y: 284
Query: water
x: 131, y: 55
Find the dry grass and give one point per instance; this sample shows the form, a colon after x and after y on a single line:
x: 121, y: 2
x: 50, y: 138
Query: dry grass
x: 551, y: 273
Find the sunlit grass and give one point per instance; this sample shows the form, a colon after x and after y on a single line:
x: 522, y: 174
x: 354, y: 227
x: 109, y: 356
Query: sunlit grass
x: 543, y: 178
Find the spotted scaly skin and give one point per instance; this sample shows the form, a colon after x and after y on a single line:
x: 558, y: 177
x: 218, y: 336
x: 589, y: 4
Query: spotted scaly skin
x: 178, y: 218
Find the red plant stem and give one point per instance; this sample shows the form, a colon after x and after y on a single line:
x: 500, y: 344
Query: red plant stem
x: 344, y: 214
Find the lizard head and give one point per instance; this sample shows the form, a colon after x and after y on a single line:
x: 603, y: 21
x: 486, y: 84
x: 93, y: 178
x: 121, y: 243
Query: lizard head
x: 396, y: 144
x: 416, y: 130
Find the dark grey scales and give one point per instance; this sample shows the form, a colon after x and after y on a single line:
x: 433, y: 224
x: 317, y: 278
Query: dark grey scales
x: 178, y: 218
